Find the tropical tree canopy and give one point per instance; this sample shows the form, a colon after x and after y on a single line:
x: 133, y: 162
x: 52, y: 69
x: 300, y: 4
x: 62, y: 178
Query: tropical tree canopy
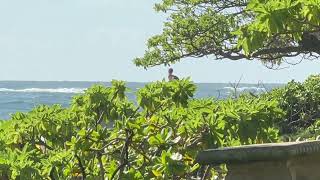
x: 272, y: 31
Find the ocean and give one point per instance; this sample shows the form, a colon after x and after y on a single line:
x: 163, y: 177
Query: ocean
x: 22, y: 96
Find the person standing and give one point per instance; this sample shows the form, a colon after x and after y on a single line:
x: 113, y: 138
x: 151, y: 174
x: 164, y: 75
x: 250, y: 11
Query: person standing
x: 171, y: 76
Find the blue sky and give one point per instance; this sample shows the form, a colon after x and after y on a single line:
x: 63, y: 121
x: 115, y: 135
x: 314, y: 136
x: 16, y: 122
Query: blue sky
x: 96, y: 40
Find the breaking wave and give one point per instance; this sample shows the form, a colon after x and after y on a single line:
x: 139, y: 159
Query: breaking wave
x: 256, y: 89
x: 44, y: 90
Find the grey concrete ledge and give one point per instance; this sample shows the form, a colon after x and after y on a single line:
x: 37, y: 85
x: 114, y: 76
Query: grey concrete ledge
x: 259, y: 152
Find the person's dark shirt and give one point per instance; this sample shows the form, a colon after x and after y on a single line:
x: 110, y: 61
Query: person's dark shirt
x: 172, y: 77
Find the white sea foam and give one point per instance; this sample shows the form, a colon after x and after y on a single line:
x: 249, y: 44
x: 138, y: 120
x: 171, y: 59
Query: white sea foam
x: 256, y: 89
x: 44, y: 90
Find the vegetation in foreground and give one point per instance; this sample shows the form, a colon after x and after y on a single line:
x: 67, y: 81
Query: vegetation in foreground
x: 102, y: 135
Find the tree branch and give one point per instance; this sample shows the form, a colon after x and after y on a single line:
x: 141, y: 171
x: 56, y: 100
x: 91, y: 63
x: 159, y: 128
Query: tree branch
x: 124, y: 154
x: 83, y: 170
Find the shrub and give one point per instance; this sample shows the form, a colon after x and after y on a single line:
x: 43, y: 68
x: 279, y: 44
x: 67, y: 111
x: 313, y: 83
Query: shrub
x: 104, y: 135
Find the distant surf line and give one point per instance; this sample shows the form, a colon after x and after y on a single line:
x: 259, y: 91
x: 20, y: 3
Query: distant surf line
x: 45, y: 90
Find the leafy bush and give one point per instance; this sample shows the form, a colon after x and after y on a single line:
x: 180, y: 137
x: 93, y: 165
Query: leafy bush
x: 300, y: 102
x: 103, y: 135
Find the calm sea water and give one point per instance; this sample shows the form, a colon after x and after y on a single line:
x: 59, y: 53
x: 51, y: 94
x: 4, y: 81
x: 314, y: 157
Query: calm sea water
x: 24, y: 95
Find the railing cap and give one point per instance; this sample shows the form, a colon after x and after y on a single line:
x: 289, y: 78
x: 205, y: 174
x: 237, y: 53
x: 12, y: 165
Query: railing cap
x: 258, y: 152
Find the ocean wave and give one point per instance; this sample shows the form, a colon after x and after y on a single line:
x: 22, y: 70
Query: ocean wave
x: 44, y: 90
x: 256, y: 89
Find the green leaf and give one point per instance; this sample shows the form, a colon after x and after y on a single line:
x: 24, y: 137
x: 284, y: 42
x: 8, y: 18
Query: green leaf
x: 156, y: 173
x: 82, y: 132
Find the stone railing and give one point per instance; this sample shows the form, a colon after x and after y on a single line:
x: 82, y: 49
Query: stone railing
x: 274, y: 161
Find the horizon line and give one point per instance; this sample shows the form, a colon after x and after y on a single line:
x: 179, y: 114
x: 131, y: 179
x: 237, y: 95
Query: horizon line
x: 97, y: 81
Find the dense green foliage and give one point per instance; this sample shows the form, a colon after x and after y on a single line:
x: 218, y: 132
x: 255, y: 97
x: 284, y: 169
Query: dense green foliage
x: 268, y: 30
x: 300, y: 101
x: 102, y: 135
